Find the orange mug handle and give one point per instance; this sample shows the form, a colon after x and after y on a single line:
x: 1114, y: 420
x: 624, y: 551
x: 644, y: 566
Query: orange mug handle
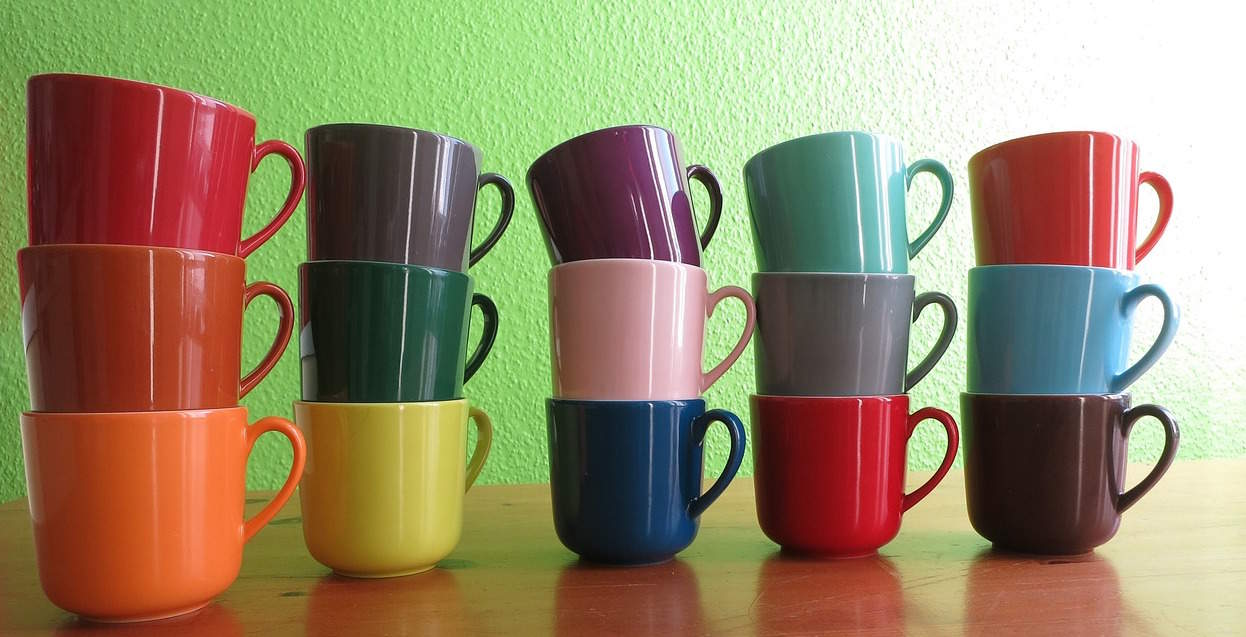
x: 287, y: 429
x: 1157, y: 182
x: 284, y: 329
x: 298, y: 178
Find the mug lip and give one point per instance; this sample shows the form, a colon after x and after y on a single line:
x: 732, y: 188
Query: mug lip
x: 1054, y: 267
x: 600, y: 132
x: 417, y: 132
x: 137, y: 414
x: 1088, y: 397
x: 399, y: 406
x: 384, y: 265
x: 795, y: 398
x: 893, y: 276
x: 586, y: 402
x: 757, y: 157
x: 185, y: 253
x: 570, y: 266
x: 41, y: 78
x: 1025, y: 139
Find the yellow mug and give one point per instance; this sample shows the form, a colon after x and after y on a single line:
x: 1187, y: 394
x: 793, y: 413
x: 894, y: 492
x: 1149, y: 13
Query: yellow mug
x: 382, y: 490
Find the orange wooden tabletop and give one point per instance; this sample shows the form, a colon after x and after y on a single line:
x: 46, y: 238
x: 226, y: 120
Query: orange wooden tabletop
x: 1178, y: 566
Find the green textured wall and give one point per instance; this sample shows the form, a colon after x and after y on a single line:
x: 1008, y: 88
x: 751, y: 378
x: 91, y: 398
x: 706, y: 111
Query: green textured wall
x: 730, y: 78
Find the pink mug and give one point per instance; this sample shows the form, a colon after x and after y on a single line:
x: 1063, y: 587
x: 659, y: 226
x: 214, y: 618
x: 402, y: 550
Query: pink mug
x: 634, y: 329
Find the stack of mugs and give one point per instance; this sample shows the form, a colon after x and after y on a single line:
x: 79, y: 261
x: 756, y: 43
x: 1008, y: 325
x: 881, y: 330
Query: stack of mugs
x: 831, y: 420
x: 1050, y: 310
x: 133, y: 290
x: 385, y: 302
x: 628, y: 309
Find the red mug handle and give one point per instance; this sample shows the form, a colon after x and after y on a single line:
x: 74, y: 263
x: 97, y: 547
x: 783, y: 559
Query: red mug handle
x: 1161, y: 187
x: 953, y: 443
x: 298, y: 177
x: 287, y: 429
x: 284, y: 329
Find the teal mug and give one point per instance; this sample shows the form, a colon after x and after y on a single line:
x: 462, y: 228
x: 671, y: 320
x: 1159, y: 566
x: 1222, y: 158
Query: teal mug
x: 376, y: 332
x: 835, y: 202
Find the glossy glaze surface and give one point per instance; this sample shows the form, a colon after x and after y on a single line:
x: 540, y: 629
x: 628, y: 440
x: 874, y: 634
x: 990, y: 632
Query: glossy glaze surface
x: 833, y: 334
x: 1062, y: 198
x: 129, y: 328
x: 386, y: 193
x: 634, y: 329
x: 1046, y: 474
x: 387, y: 332
x: 621, y: 192
x: 829, y: 472
x: 117, y: 161
x: 625, y: 476
x: 140, y: 515
x: 1037, y: 329
x: 383, y: 492
x: 835, y: 202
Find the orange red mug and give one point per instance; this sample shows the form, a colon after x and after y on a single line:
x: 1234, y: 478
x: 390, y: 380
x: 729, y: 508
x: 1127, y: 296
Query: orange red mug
x: 111, y: 328
x: 139, y: 516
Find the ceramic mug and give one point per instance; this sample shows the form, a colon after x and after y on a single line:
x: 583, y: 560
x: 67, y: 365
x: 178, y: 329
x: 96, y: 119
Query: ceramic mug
x: 835, y: 202
x: 634, y: 329
x: 122, y: 162
x: 841, y: 334
x: 625, y: 476
x: 1046, y: 474
x: 1064, y: 199
x: 1051, y: 329
x: 621, y: 192
x: 383, y: 492
x: 132, y: 328
x: 829, y: 472
x: 388, y: 332
x: 386, y: 193
x: 139, y: 516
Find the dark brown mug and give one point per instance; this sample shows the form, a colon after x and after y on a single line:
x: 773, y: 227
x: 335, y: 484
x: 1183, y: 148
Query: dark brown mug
x: 399, y: 195
x: 1045, y: 474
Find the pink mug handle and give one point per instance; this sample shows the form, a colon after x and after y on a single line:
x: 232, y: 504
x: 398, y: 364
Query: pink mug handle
x: 953, y: 443
x: 298, y: 177
x: 287, y: 429
x: 284, y: 329
x: 1161, y: 187
x: 750, y: 320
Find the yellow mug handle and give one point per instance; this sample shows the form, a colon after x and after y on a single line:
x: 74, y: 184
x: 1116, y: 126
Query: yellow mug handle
x: 484, y: 441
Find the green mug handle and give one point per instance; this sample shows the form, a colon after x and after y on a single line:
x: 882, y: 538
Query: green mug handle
x: 487, y: 337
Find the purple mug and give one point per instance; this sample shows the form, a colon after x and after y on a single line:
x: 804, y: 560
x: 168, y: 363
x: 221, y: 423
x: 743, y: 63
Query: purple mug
x: 621, y: 192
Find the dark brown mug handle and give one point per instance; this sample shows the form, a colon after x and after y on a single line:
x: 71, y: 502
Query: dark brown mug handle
x: 706, y: 177
x: 284, y: 330
x: 487, y: 335
x: 1172, y: 438
x: 504, y: 217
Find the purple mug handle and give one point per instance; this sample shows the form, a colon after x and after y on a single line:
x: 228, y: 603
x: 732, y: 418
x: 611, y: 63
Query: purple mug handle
x: 704, y: 175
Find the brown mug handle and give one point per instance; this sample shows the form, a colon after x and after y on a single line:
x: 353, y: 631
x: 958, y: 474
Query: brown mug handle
x: 298, y: 178
x: 504, y: 217
x: 284, y: 330
x: 1172, y: 438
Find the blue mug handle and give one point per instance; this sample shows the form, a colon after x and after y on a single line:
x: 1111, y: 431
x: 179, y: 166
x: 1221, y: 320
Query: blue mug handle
x: 1172, y: 317
x: 734, y: 427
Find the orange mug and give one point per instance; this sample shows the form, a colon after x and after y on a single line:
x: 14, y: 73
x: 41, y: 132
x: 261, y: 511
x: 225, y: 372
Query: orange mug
x: 138, y: 516
x: 112, y: 328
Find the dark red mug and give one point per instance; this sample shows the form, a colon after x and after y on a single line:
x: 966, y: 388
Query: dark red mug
x: 829, y: 471
x: 113, y: 161
x: 1062, y: 199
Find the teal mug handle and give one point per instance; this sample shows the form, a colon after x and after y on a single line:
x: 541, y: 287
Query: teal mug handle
x: 734, y: 427
x: 1167, y: 331
x: 945, y: 182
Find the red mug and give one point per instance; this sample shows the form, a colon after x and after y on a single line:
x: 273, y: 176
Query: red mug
x: 1062, y: 199
x: 122, y: 162
x: 829, y: 471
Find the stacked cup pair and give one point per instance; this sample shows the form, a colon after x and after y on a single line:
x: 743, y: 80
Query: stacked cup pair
x: 831, y: 419
x: 133, y: 289
x: 628, y: 309
x: 1051, y: 304
x: 385, y: 305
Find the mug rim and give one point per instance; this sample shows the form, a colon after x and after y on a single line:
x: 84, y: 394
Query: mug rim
x: 206, y: 412
x: 184, y: 253
x: 547, y: 156
x: 631, y: 262
x: 1054, y: 267
x: 824, y: 134
x: 41, y: 78
x: 892, y: 276
x: 1029, y: 397
x: 975, y: 158
x: 394, y: 128
x: 586, y: 402
x: 785, y: 398
x: 395, y: 406
x: 428, y: 270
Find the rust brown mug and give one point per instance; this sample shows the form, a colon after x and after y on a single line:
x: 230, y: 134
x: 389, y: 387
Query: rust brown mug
x: 112, y: 328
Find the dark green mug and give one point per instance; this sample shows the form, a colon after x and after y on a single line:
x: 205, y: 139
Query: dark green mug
x: 387, y: 332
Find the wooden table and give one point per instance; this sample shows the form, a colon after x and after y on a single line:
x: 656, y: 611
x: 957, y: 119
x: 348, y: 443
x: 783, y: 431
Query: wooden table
x: 1178, y: 566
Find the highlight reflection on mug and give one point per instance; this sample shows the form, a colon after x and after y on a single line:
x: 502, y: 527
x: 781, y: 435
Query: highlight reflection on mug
x: 1075, y: 596
x: 805, y: 596
x: 664, y: 599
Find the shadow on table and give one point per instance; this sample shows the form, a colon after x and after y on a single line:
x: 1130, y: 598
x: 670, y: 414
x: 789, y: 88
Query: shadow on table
x: 213, y: 620
x: 664, y: 599
x: 802, y: 595
x: 429, y: 603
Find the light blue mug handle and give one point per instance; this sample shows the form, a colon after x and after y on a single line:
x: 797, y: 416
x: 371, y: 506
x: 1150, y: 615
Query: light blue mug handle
x: 1172, y: 317
x: 734, y: 427
x: 945, y: 181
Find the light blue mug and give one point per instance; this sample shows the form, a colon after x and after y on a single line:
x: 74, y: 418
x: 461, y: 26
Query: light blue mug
x: 1056, y: 329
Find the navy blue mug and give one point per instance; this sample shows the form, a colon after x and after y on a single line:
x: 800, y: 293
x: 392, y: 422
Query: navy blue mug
x: 625, y: 476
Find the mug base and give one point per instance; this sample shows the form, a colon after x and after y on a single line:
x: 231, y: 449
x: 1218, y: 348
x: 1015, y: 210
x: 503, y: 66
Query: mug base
x: 147, y: 618
x: 1033, y: 552
x: 384, y: 575
x: 805, y: 554
x: 623, y: 563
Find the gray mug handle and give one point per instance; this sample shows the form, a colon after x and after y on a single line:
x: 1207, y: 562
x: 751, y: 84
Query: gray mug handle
x: 950, y: 318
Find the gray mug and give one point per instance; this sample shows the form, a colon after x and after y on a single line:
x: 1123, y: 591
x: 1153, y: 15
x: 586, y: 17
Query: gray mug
x: 841, y: 334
